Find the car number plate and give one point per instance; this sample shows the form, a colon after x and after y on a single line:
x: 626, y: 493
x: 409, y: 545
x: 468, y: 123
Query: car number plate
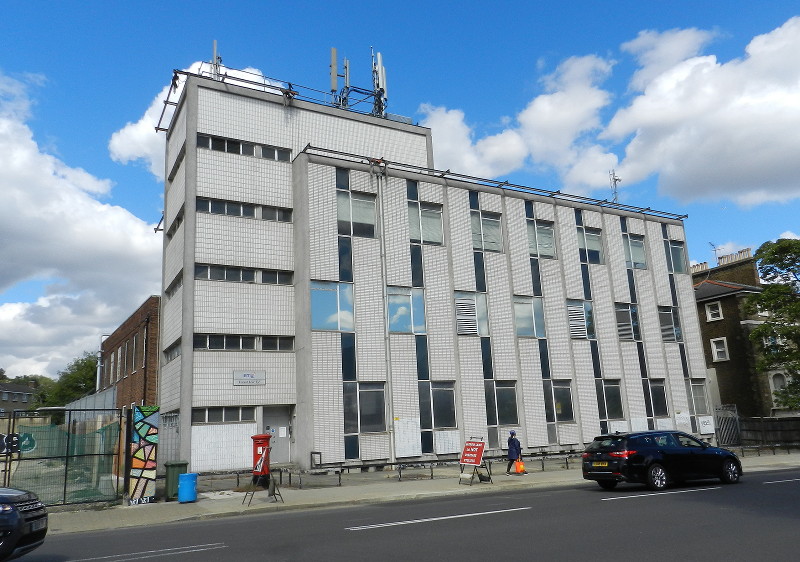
x: 602, y: 463
x: 38, y: 524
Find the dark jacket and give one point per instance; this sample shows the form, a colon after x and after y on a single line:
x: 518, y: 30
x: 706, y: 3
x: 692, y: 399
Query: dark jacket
x: 514, y: 448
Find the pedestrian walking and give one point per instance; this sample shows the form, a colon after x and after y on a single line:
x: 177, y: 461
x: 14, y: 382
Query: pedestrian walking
x: 514, y: 450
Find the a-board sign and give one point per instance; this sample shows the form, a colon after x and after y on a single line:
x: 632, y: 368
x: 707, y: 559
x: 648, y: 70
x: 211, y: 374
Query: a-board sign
x: 472, y: 453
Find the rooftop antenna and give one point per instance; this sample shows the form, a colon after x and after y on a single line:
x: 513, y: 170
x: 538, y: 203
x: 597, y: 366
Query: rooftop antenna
x: 379, y: 85
x: 216, y: 61
x: 340, y: 97
x: 614, y: 180
x: 716, y: 250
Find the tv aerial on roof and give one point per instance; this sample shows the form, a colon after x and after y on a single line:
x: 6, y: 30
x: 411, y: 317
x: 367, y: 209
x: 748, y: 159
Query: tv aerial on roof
x: 378, y: 94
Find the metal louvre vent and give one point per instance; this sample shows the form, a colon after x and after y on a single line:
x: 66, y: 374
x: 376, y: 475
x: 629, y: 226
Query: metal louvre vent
x: 466, y: 316
x: 577, y: 321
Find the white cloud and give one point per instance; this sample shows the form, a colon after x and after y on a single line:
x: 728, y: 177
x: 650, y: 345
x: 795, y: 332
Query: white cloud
x: 97, y: 262
x: 454, y: 148
x: 658, y: 52
x: 789, y: 235
x: 707, y: 130
x: 714, y: 130
x: 551, y: 130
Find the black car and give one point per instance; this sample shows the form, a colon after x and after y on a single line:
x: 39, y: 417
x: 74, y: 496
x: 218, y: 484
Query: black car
x: 656, y: 458
x: 23, y: 523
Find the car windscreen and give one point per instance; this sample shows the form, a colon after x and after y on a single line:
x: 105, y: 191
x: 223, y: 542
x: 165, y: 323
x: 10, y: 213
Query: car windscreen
x: 607, y: 443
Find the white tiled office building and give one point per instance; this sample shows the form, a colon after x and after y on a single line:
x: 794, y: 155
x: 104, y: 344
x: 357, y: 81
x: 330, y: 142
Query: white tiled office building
x: 323, y: 283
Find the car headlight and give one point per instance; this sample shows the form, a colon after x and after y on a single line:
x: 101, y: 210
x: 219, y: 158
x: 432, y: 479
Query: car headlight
x: 5, y: 508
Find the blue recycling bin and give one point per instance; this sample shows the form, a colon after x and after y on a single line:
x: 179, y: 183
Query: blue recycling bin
x: 187, y: 487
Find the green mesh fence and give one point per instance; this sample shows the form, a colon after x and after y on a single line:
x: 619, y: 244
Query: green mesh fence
x: 69, y: 457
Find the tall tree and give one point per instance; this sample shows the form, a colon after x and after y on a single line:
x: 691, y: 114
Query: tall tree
x: 74, y: 382
x: 779, y: 335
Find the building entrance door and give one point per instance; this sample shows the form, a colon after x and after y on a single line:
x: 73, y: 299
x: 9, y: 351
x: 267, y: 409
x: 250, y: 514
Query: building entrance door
x: 276, y: 422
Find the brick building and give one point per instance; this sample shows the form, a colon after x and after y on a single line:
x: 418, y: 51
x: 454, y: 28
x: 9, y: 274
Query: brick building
x: 129, y: 357
x: 725, y: 327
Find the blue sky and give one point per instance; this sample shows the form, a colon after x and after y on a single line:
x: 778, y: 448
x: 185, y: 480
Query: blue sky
x: 695, y: 104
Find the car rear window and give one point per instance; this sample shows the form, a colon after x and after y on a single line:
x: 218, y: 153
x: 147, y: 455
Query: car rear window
x: 607, y: 443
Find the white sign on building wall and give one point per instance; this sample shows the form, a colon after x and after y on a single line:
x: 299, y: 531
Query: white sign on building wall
x: 247, y: 378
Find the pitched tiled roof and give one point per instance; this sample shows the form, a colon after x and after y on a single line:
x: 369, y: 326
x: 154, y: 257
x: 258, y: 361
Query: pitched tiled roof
x: 711, y: 288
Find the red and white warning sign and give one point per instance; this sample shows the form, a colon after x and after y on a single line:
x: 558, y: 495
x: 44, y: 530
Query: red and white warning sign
x: 472, y: 453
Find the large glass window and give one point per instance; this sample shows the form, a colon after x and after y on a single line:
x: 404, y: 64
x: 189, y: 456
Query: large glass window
x: 472, y: 315
x: 719, y: 349
x: 562, y: 398
x: 590, y: 245
x: 609, y: 395
x: 658, y: 394
x: 406, y: 310
x: 541, y: 239
x: 425, y: 222
x: 371, y: 406
x: 676, y: 256
x: 581, y: 319
x: 356, y: 213
x: 331, y: 306
x: 486, y: 232
x: 627, y: 321
x: 501, y: 402
x: 635, y: 256
x: 529, y: 316
x: 696, y: 392
x: 670, y: 324
x: 437, y: 405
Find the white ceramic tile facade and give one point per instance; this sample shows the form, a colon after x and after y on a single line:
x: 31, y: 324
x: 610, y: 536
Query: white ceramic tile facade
x: 501, y: 317
x: 222, y: 447
x: 171, y: 322
x: 213, y: 378
x: 405, y: 393
x: 370, y: 315
x: 324, y: 249
x: 463, y: 265
x: 517, y: 250
x: 170, y: 385
x: 223, y: 307
x: 439, y: 315
x: 532, y: 394
x: 397, y: 237
x: 245, y: 118
x: 244, y: 242
x: 234, y: 177
x: 690, y: 324
x: 615, y: 258
x: 176, y: 139
x: 176, y: 196
x: 327, y: 368
x: 473, y: 400
x: 569, y: 258
x: 374, y: 446
x: 173, y: 256
x: 657, y: 264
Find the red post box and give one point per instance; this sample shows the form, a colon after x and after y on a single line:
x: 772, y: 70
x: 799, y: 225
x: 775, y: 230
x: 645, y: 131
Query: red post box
x: 261, y: 454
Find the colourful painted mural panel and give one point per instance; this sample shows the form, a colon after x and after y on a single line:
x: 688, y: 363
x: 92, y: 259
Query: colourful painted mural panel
x: 143, y: 446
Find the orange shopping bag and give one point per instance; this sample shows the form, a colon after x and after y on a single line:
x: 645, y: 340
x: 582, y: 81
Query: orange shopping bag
x: 519, y: 467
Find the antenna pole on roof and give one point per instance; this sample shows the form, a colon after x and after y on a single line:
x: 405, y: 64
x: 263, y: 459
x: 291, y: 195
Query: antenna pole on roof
x: 216, y: 61
x: 614, y: 180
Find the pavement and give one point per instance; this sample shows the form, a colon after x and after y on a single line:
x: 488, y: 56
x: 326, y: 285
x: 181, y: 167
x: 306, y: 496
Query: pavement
x: 357, y: 487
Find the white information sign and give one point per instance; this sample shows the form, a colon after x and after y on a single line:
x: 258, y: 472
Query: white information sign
x: 247, y: 378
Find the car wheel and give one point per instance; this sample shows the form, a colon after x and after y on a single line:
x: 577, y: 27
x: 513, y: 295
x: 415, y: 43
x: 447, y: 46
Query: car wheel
x: 730, y: 472
x: 656, y: 477
x: 608, y: 484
